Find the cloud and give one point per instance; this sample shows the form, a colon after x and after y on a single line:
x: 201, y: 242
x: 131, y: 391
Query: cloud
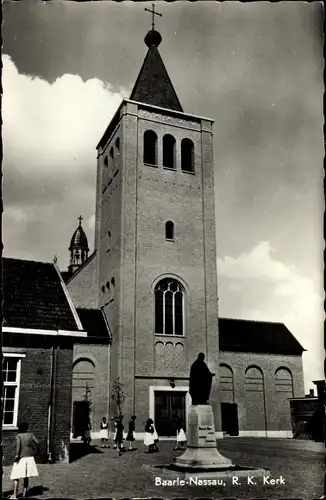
x: 274, y: 291
x: 50, y: 132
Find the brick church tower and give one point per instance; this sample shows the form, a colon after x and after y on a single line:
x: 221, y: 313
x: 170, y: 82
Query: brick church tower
x: 156, y: 249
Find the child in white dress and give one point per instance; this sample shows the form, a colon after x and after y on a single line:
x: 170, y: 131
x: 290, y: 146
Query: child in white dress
x: 24, y: 466
x: 149, y: 439
x: 104, y: 433
x: 155, y: 437
x: 181, y: 435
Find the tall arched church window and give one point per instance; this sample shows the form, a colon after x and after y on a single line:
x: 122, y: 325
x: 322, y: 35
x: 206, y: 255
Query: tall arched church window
x: 112, y: 153
x: 168, y: 151
x: 187, y: 155
x: 106, y: 162
x: 169, y: 307
x: 169, y: 230
x: 117, y: 143
x: 150, y: 147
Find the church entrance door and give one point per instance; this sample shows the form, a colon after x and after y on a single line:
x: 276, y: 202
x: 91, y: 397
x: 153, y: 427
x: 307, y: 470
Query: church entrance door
x: 80, y: 418
x: 168, y: 406
x: 230, y: 423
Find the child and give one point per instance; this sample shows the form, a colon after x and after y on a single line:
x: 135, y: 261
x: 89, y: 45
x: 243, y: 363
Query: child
x: 149, y: 439
x: 131, y: 432
x: 24, y: 465
x: 119, y: 434
x: 155, y: 437
x: 87, y: 438
x: 104, y: 433
x: 115, y: 420
x: 181, y: 436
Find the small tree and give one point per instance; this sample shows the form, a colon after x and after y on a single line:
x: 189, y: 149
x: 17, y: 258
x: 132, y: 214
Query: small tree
x: 87, y: 398
x: 118, y: 395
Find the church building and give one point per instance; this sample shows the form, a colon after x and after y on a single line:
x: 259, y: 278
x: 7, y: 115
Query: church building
x: 153, y: 275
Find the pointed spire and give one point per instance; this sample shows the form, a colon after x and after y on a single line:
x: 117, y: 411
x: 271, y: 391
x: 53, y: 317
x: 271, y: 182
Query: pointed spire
x: 153, y: 85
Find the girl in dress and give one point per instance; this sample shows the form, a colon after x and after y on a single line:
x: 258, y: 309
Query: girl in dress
x: 155, y: 437
x: 24, y: 466
x: 181, y: 436
x: 131, y: 432
x: 119, y: 434
x: 115, y: 423
x: 104, y: 433
x: 149, y: 439
x: 87, y: 438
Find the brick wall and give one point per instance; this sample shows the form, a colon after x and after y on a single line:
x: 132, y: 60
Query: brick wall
x: 34, y: 398
x: 98, y: 382
x: 133, y: 202
x: 82, y: 288
x: 277, y: 407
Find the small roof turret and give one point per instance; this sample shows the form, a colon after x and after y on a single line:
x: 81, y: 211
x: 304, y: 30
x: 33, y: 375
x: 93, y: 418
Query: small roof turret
x: 79, y: 238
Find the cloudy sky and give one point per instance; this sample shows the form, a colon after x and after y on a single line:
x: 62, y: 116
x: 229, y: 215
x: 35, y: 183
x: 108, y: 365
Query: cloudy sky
x: 255, y: 68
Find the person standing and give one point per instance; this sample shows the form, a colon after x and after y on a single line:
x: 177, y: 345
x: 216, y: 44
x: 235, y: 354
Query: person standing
x: 24, y: 465
x: 104, y: 433
x: 87, y: 438
x: 131, y: 431
x: 149, y: 439
x: 155, y: 437
x: 181, y: 435
x: 115, y: 423
x: 119, y: 434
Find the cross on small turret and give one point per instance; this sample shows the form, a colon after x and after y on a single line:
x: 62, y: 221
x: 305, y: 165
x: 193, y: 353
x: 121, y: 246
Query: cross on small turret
x: 80, y: 218
x: 153, y: 14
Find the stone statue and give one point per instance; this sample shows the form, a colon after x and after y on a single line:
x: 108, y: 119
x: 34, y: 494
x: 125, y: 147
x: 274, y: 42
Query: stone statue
x: 200, y: 381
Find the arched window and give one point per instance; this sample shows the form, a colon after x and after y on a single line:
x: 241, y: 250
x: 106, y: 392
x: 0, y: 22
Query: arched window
x: 83, y: 373
x: 113, y: 281
x: 150, y: 147
x: 112, y: 153
x: 106, y: 161
x: 169, y: 230
x: 169, y: 151
x: 284, y: 382
x: 117, y: 143
x: 226, y: 383
x: 187, y: 155
x: 255, y: 399
x: 254, y: 379
x: 169, y: 307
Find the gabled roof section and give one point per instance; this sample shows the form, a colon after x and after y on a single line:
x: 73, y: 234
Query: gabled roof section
x: 34, y: 297
x: 94, y: 322
x: 238, y: 335
x: 153, y: 85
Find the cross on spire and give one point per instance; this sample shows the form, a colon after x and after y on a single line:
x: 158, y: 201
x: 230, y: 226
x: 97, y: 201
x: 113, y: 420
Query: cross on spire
x: 80, y: 218
x: 153, y: 14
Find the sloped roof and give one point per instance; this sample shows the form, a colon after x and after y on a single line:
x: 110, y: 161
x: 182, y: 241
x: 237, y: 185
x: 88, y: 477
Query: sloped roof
x: 34, y: 297
x: 153, y: 85
x: 239, y: 335
x: 94, y: 323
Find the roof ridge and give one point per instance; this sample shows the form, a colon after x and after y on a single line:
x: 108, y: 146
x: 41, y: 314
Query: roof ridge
x: 28, y: 260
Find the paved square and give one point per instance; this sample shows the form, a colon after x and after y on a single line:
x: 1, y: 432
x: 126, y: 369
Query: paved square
x: 300, y: 464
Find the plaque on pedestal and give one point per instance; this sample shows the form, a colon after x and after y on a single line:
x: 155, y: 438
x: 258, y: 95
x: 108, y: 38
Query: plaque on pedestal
x: 201, y: 449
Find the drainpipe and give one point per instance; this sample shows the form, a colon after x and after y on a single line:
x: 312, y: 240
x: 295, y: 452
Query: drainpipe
x: 51, y: 409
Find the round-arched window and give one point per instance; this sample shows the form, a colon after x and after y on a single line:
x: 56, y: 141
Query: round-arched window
x: 169, y: 307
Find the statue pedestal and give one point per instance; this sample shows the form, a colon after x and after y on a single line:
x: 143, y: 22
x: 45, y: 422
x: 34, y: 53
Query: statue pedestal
x: 201, y: 452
